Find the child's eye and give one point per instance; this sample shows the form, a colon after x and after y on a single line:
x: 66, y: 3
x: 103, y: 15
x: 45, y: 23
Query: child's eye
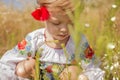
x: 58, y: 23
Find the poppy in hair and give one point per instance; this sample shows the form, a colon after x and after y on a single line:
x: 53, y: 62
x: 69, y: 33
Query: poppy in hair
x: 41, y: 14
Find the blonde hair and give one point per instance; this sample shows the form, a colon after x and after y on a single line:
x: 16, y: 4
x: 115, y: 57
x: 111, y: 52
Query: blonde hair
x: 56, y: 5
x: 58, y: 8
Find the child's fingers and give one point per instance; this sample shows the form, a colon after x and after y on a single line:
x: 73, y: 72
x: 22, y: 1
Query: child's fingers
x: 33, y: 72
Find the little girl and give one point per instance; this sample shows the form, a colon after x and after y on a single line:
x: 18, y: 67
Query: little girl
x: 19, y: 62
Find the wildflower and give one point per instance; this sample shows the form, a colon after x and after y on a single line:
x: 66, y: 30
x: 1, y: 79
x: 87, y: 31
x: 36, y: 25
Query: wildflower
x: 116, y: 65
x: 114, y: 6
x: 105, y: 55
x: 87, y: 25
x: 111, y: 46
x: 113, y: 18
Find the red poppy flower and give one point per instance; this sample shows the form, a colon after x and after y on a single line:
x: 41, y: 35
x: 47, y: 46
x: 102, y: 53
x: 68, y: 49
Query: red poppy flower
x: 49, y: 69
x: 21, y: 45
x: 89, y: 52
x: 41, y: 14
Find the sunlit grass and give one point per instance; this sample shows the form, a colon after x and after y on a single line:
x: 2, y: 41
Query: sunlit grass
x: 14, y: 25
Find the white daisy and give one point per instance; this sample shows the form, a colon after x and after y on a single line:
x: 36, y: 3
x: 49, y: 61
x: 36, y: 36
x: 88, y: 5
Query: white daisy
x: 114, y: 6
x: 87, y: 25
x: 113, y: 18
x: 111, y: 46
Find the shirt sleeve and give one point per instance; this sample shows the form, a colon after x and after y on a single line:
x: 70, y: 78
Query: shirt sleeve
x: 89, y: 62
x: 20, y: 52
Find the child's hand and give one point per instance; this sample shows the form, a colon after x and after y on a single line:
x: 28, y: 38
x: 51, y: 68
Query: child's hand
x: 82, y: 77
x: 25, y: 68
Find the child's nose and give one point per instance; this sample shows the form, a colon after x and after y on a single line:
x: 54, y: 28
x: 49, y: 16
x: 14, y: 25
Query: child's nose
x: 64, y: 28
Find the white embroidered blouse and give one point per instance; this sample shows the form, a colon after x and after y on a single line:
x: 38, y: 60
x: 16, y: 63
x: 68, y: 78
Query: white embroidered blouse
x: 49, y: 56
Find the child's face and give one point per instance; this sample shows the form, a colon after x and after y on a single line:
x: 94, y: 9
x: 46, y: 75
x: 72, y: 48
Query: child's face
x: 57, y: 26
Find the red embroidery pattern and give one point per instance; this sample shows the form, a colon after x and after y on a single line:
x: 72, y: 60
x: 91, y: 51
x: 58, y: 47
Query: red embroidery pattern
x: 89, y: 52
x: 49, y: 69
x: 21, y: 45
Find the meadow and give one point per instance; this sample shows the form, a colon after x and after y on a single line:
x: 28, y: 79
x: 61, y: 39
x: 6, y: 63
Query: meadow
x: 98, y: 20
